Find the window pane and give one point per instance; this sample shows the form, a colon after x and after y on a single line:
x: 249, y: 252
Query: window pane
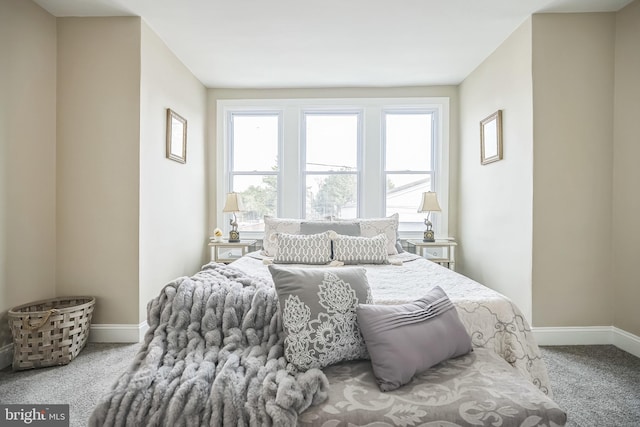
x: 404, y: 195
x: 255, y: 142
x: 331, y: 142
x: 332, y: 195
x: 408, y: 141
x: 259, y: 197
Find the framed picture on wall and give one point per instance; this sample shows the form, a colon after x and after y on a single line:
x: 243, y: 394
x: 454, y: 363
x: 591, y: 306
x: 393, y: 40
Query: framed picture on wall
x: 176, y: 137
x: 491, y: 138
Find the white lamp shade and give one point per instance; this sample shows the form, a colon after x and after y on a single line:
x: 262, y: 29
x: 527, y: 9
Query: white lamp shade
x: 233, y: 203
x: 429, y: 202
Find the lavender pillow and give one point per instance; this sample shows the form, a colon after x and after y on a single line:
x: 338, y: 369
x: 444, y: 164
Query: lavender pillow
x: 404, y: 340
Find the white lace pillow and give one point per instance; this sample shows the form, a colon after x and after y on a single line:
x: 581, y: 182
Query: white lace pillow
x: 272, y: 226
x: 318, y: 309
x: 388, y: 226
x: 360, y: 250
x: 303, y: 248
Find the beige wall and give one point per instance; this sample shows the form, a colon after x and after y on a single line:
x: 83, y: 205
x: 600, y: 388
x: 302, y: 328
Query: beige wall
x: 173, y: 196
x: 93, y: 205
x: 436, y: 91
x: 98, y: 157
x: 495, y: 200
x: 626, y: 172
x: 573, y: 129
x: 27, y: 156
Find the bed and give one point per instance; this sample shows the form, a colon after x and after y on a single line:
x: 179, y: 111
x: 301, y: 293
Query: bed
x: 214, y: 355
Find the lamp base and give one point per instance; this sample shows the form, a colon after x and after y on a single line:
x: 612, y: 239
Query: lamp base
x: 429, y: 236
x: 234, y: 236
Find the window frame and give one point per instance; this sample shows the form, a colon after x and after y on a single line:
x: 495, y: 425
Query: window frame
x: 372, y: 174
x: 303, y: 152
x: 229, y: 157
x: 433, y: 167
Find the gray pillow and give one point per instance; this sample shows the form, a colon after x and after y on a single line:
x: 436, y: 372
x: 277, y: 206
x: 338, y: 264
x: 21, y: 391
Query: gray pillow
x: 303, y: 249
x: 360, y: 250
x: 404, y: 340
x: 340, y: 227
x: 318, y: 309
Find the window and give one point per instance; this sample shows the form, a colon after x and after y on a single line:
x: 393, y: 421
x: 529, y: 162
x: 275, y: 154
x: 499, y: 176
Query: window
x: 409, y: 169
x: 253, y: 161
x: 331, y: 144
x: 343, y: 158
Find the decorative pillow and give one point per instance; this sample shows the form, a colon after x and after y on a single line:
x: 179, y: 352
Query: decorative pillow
x: 348, y: 228
x: 371, y: 227
x: 318, y: 309
x: 303, y: 249
x: 360, y: 250
x: 272, y: 226
x: 404, y: 340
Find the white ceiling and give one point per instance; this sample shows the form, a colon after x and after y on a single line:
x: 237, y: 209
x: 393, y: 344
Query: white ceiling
x: 329, y: 43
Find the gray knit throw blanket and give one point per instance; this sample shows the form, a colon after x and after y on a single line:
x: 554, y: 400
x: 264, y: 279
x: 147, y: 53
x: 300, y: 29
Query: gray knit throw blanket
x: 213, y: 356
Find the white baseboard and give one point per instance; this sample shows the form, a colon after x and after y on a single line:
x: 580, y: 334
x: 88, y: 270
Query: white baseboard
x: 589, y: 335
x: 626, y: 341
x: 585, y: 335
x: 118, y: 332
x: 113, y: 333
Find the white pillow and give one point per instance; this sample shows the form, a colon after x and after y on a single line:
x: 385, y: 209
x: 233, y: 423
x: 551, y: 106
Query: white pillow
x: 371, y: 227
x: 272, y: 226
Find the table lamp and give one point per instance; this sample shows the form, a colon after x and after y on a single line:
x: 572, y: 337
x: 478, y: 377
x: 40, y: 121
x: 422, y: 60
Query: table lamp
x: 233, y: 204
x: 429, y: 204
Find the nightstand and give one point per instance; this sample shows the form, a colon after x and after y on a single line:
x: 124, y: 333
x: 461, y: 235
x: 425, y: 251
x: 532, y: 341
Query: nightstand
x: 227, y: 252
x: 442, y: 251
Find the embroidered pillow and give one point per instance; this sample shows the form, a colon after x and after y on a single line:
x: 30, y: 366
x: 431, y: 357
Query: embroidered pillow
x: 318, y: 309
x: 360, y: 250
x: 371, y: 227
x: 272, y: 226
x: 404, y: 340
x: 303, y: 249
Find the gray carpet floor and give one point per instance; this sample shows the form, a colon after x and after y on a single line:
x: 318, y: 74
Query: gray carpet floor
x: 80, y: 384
x: 598, y: 386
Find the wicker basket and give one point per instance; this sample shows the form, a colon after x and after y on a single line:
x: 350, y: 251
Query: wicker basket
x: 50, y: 332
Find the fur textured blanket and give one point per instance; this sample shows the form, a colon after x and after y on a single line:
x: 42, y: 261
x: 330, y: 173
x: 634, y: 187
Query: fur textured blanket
x: 213, y: 356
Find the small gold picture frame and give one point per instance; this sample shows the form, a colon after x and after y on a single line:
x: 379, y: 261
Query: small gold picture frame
x: 491, y: 138
x: 176, y: 137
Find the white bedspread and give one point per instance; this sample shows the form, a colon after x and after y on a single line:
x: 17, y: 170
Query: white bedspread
x: 492, y: 320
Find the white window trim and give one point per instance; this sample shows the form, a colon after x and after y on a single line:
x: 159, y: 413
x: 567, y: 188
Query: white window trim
x: 291, y: 111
